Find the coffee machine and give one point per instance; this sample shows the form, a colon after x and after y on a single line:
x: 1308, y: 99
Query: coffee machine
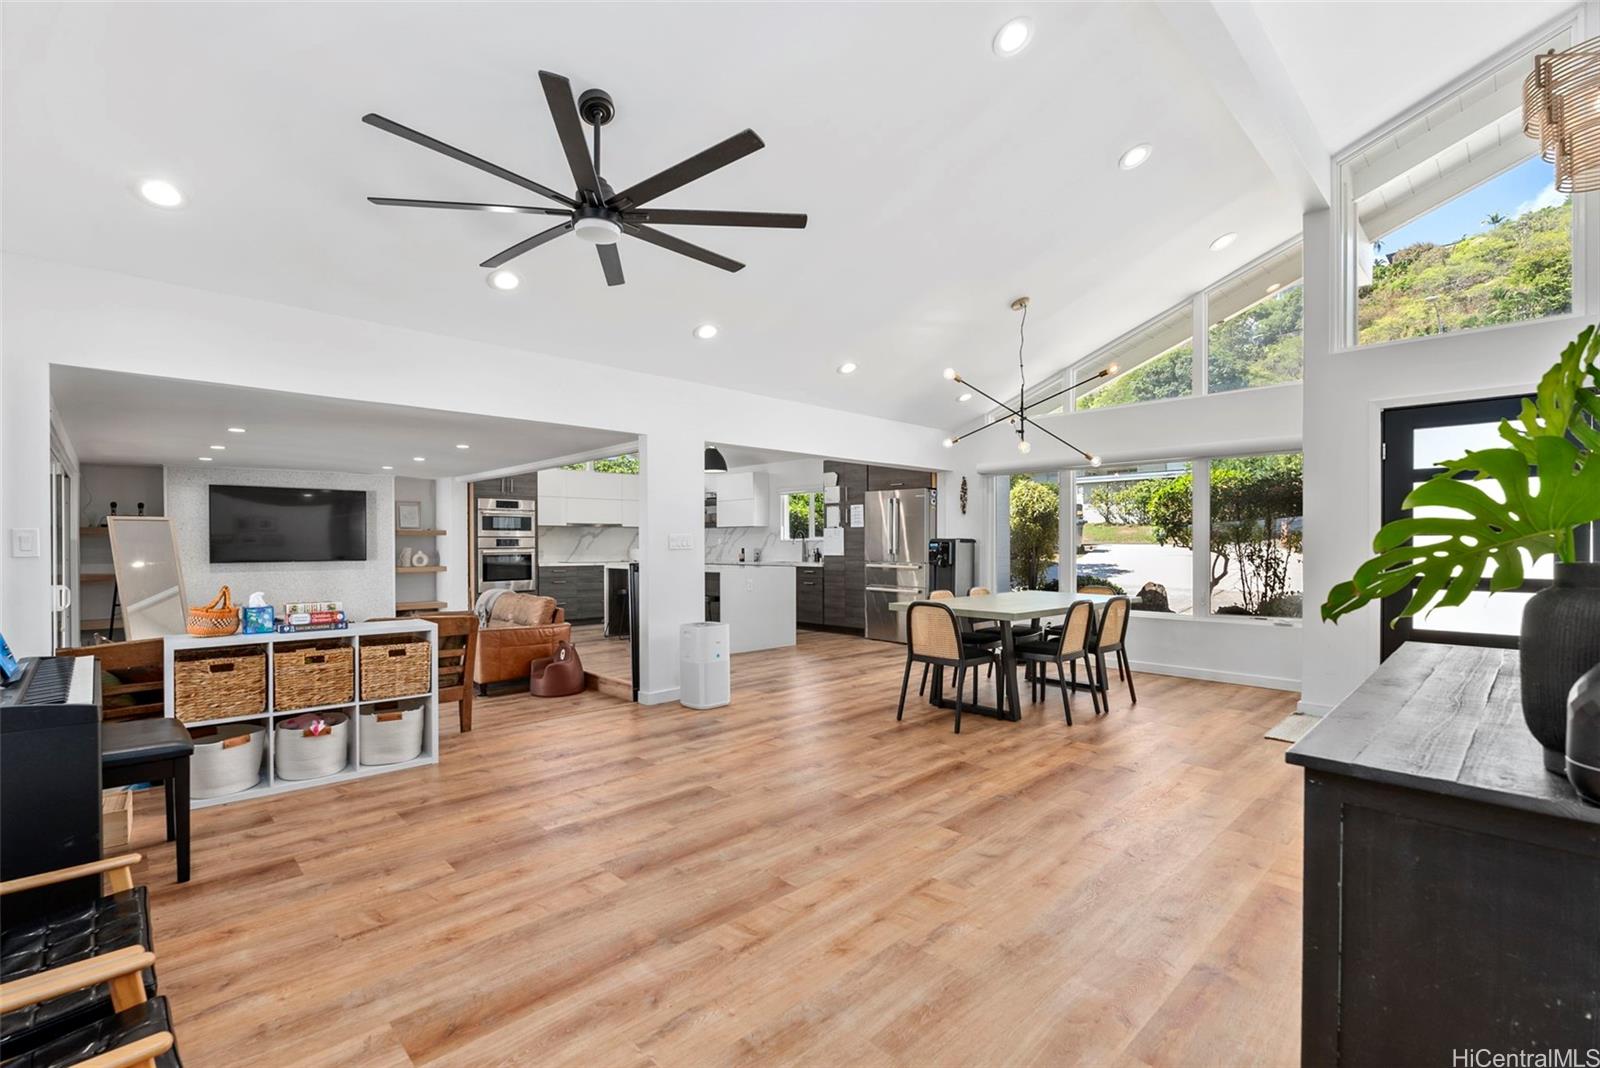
x: 951, y: 564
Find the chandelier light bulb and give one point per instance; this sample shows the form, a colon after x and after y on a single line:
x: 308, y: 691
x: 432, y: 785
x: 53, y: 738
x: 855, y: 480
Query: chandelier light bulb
x: 950, y: 373
x: 949, y: 442
x: 1094, y: 461
x: 1112, y: 369
x: 1024, y: 446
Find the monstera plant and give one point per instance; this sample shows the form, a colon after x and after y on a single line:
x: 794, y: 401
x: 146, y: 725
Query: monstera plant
x: 1442, y: 558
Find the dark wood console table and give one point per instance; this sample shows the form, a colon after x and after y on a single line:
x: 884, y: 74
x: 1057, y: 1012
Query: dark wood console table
x: 1452, y: 885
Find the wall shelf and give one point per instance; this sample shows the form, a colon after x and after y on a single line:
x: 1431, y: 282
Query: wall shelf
x: 399, y: 533
x: 419, y: 606
x: 426, y: 569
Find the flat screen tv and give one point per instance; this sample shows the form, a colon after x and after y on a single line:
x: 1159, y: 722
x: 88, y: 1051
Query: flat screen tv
x: 277, y: 524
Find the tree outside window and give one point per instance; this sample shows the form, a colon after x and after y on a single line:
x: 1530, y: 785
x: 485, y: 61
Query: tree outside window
x: 1035, y: 515
x: 806, y: 512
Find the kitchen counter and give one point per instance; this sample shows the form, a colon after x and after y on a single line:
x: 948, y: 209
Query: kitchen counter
x: 761, y: 563
x: 757, y: 603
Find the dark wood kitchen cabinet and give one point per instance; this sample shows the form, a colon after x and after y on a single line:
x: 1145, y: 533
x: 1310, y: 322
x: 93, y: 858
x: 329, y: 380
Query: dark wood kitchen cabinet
x: 1452, y: 885
x: 578, y: 588
x: 844, y: 594
x: 891, y: 478
x: 809, y: 584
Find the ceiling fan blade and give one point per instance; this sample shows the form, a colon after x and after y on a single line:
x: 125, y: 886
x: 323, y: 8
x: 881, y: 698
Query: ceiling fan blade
x: 681, y: 247
x: 685, y: 217
x: 698, y: 165
x: 468, y: 158
x: 533, y: 242
x: 558, y: 94
x: 459, y: 205
x: 611, y: 263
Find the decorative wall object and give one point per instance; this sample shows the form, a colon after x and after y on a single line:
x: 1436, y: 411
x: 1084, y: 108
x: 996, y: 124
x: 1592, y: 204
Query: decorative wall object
x: 963, y: 496
x: 408, y: 515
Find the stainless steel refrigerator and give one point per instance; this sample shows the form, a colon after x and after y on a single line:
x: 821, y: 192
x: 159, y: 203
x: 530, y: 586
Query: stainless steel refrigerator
x: 898, y: 526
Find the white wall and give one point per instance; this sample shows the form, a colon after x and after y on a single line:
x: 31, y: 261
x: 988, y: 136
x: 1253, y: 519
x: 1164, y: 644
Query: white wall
x: 78, y: 316
x: 365, y: 586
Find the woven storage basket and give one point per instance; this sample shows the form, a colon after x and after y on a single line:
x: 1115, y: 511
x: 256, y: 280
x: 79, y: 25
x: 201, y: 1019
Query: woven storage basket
x: 227, y: 759
x: 298, y: 755
x: 217, y: 619
x: 217, y: 683
x: 390, y: 735
x: 395, y: 665
x: 313, y: 674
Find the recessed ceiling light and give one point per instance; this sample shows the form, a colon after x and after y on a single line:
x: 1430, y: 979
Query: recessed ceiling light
x: 1013, y: 37
x: 419, y: 459
x: 1224, y: 241
x: 847, y: 368
x: 388, y: 467
x: 161, y: 193
x: 1274, y: 287
x: 504, y: 281
x: 964, y: 398
x: 1134, y: 157
x: 203, y: 459
x: 463, y: 445
x: 706, y: 331
x: 216, y: 448
x: 236, y: 430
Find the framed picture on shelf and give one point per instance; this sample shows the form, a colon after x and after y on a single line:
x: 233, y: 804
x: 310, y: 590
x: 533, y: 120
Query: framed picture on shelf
x: 408, y: 515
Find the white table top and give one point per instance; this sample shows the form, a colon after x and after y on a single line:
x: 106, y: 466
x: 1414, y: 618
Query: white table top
x: 1013, y: 607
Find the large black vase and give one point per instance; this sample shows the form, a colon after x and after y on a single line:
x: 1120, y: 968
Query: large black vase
x: 1560, y: 641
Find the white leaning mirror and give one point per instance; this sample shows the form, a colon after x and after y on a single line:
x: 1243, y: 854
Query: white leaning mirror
x: 144, y: 552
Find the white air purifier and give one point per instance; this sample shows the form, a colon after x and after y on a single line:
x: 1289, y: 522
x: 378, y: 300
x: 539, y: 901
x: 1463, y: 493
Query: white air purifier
x: 704, y: 678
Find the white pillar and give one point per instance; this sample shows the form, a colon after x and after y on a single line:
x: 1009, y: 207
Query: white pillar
x: 672, y: 558
x: 25, y: 491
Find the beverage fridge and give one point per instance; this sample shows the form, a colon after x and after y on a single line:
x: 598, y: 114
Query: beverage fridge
x: 898, y: 526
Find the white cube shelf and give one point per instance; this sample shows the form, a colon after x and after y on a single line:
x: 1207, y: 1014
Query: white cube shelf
x: 269, y: 784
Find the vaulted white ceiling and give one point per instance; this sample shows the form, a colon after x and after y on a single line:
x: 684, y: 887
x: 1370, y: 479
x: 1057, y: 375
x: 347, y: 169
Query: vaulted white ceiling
x: 941, y: 180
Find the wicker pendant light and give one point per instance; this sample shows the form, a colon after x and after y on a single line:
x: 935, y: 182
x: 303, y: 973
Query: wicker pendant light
x: 1561, y: 109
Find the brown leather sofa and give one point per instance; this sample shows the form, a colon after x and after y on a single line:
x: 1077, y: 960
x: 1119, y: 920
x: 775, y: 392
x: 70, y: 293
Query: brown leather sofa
x: 522, y: 628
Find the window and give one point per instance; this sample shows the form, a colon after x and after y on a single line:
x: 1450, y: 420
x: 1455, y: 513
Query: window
x: 1156, y: 362
x: 1454, y: 220
x: 1257, y: 534
x: 807, y: 512
x: 1135, y: 534
x: 1415, y: 440
x: 1033, y: 511
x: 619, y: 465
x: 1258, y: 323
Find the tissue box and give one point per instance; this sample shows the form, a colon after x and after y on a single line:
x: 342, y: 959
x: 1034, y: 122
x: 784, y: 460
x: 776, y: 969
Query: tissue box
x: 259, y: 620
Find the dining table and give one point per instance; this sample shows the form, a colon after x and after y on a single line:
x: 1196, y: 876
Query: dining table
x: 1006, y: 609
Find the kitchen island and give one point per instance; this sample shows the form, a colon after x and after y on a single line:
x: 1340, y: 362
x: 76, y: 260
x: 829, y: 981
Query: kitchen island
x: 757, y: 602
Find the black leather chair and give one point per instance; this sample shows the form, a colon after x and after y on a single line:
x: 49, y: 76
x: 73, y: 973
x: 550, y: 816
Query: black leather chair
x: 152, y: 750
x: 119, y: 920
x: 138, y: 1033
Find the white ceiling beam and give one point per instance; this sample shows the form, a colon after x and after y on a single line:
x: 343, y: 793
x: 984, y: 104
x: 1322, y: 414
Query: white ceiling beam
x: 1230, y: 46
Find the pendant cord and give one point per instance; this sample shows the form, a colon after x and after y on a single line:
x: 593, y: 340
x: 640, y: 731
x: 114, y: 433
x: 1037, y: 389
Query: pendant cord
x: 1022, y: 377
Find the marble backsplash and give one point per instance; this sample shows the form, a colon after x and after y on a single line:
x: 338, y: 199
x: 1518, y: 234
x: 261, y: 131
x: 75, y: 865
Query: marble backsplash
x: 722, y: 546
x: 607, y: 545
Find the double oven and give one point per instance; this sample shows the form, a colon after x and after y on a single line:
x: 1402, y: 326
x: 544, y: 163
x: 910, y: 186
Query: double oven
x: 508, y: 544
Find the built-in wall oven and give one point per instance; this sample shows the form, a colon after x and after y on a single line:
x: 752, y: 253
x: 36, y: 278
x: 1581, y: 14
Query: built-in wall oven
x: 507, y: 556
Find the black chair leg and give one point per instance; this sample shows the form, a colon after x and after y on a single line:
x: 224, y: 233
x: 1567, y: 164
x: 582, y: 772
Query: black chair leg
x: 1066, y: 694
x: 961, y: 673
x: 974, y: 685
x: 180, y: 804
x: 1102, y: 678
x: 923, y: 688
x: 1096, y: 695
x: 905, y: 682
x: 168, y: 789
x: 1122, y: 657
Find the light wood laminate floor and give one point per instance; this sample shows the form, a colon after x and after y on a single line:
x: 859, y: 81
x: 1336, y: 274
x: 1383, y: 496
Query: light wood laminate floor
x: 794, y: 879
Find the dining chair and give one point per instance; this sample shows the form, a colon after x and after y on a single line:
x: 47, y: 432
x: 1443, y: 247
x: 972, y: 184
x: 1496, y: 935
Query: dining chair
x: 1069, y: 644
x: 1111, y: 590
x: 1111, y: 636
x: 933, y: 638
x: 971, y: 635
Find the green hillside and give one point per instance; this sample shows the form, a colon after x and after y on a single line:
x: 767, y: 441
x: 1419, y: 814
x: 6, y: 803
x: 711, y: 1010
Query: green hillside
x: 1517, y: 269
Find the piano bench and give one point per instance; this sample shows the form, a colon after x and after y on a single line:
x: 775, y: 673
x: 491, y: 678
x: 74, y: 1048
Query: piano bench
x: 152, y: 750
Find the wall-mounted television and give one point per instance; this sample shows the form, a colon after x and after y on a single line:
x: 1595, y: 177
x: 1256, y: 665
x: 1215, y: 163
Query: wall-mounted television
x: 279, y: 524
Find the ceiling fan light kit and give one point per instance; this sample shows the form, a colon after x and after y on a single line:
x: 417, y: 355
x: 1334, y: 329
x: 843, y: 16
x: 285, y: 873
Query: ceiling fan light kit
x: 595, y: 213
x: 1017, y: 418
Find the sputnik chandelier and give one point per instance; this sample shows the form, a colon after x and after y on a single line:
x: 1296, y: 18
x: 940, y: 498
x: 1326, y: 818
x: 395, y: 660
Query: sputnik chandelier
x: 1561, y: 110
x: 1018, y: 418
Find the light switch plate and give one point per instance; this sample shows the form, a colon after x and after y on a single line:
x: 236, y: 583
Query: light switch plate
x: 680, y: 541
x: 24, y: 541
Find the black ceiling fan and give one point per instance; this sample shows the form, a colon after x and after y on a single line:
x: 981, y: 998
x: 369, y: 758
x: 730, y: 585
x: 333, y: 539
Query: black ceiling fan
x: 594, y: 212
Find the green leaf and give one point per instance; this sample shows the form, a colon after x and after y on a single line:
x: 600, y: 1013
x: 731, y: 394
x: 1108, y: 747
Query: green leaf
x: 1538, y: 522
x: 1566, y: 401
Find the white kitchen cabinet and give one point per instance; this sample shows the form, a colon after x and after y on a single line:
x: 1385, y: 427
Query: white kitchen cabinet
x: 552, y: 510
x: 742, y: 499
x: 595, y: 485
x: 588, y: 511
x: 630, y: 512
x: 588, y: 498
x: 552, y: 484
